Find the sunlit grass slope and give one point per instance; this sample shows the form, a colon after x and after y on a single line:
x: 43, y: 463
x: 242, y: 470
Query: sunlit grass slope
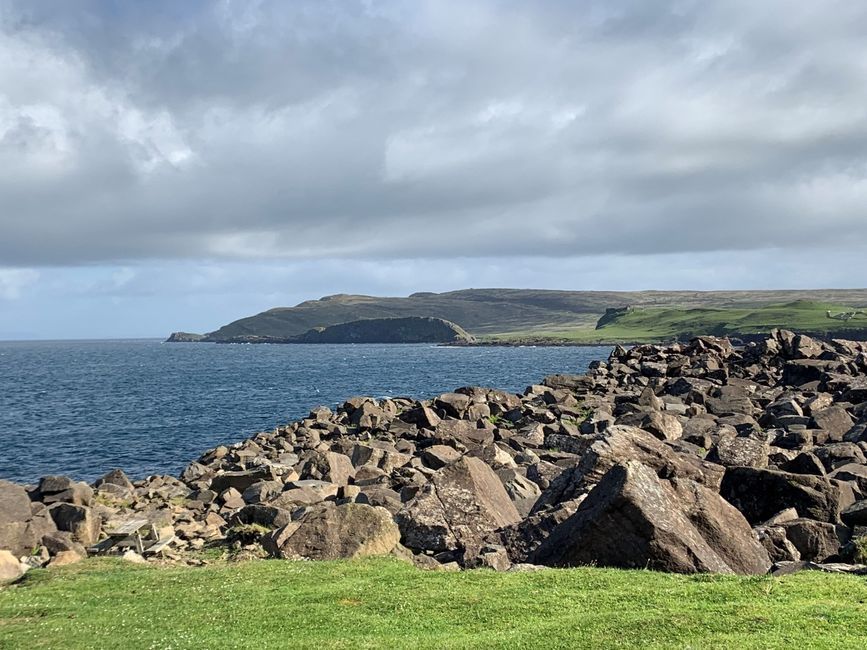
x: 389, y: 604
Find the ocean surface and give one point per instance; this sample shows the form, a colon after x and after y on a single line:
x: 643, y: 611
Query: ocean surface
x: 82, y: 408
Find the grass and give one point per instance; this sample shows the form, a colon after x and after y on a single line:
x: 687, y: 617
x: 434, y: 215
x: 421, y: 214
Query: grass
x: 389, y: 604
x: 660, y: 324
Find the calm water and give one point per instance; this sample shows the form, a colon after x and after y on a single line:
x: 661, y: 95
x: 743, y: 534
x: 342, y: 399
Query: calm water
x: 84, y: 407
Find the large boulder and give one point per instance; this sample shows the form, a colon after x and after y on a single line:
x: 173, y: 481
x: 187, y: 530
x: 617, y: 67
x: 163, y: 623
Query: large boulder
x: 57, y: 489
x: 761, y: 493
x: 619, y: 444
x: 20, y: 529
x: 329, y: 532
x: 816, y: 541
x: 634, y: 519
x: 461, y: 504
x: 78, y: 520
x: 14, y: 503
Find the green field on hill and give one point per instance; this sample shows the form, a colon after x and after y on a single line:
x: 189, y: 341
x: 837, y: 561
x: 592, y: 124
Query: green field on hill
x: 661, y: 324
x: 389, y: 604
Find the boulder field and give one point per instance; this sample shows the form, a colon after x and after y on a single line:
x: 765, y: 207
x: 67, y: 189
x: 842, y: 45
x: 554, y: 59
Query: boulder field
x: 698, y: 457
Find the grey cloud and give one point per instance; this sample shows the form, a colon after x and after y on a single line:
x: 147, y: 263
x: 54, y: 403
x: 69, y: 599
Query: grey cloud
x: 249, y: 130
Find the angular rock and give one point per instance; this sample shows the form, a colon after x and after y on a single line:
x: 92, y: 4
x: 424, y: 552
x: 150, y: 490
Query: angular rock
x: 634, y: 519
x: 835, y: 420
x: 438, y: 456
x: 78, y: 520
x: 620, y: 444
x: 330, y: 532
x: 241, y: 480
x: 456, y: 510
x: 760, y: 493
x: 746, y: 451
x: 856, y: 514
x: 816, y: 541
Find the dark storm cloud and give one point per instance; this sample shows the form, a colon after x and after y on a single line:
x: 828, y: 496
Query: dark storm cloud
x: 428, y: 129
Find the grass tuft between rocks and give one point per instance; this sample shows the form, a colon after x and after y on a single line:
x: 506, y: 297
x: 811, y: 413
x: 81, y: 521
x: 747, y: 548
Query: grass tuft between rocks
x: 390, y: 604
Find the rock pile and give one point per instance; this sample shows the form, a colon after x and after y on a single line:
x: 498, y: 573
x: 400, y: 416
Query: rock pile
x: 699, y: 457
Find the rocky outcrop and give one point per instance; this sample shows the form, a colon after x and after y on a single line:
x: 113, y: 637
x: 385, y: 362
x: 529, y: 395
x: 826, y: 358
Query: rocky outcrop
x: 699, y: 457
x: 635, y: 519
x: 185, y: 337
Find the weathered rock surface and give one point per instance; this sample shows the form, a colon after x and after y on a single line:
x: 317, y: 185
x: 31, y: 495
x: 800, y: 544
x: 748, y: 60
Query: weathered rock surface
x: 634, y: 519
x: 331, y: 532
x: 456, y: 510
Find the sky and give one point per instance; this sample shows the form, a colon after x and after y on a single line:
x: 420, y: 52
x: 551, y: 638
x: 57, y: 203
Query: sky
x: 172, y: 165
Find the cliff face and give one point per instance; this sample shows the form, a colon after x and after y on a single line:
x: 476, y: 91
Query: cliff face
x: 389, y: 330
x: 185, y: 337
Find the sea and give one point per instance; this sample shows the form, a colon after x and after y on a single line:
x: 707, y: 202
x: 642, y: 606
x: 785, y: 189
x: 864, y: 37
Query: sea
x: 82, y: 408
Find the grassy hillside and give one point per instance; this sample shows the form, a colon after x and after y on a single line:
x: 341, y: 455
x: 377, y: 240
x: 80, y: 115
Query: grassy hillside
x: 803, y: 316
x: 655, y: 324
x: 500, y: 312
x: 388, y: 604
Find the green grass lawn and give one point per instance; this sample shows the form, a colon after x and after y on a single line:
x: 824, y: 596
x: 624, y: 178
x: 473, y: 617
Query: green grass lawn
x: 658, y: 324
x: 390, y: 604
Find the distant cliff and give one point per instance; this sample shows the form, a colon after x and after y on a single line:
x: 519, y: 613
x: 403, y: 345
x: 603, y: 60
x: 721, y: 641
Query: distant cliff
x: 412, y: 329
x: 185, y: 337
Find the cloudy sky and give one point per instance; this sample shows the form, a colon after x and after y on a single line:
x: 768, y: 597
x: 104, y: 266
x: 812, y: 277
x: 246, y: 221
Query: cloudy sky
x: 175, y: 165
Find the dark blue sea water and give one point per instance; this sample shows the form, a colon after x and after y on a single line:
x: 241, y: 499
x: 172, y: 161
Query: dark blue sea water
x: 82, y: 408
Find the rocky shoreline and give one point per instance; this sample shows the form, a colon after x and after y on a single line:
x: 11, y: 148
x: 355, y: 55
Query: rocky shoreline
x: 697, y: 457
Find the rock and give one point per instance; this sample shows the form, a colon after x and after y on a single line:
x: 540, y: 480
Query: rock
x: 64, y: 558
x: 856, y: 514
x: 662, y: 425
x: 620, y: 444
x: 805, y: 463
x: 10, y: 568
x: 330, y: 532
x: 521, y: 490
x: 634, y: 519
x: 423, y: 416
x: 492, y: 557
x: 835, y: 420
x: 60, y: 542
x: 778, y: 546
x: 78, y: 520
x: 438, y: 456
x: 259, y: 514
x: 115, y: 477
x: 839, y: 454
x: 56, y: 489
x: 453, y: 404
x: 380, y: 454
x: 380, y: 496
x: 816, y: 541
x: 745, y: 451
x: 133, y: 557
x: 460, y: 505
x: 241, y: 480
x: 14, y: 503
x: 20, y: 530
x: 760, y: 493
